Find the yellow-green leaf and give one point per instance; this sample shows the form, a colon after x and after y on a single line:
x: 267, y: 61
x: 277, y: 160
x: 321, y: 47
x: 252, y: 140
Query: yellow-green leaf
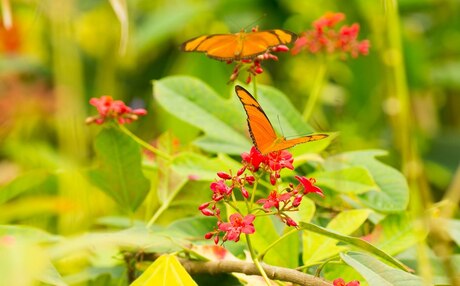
x: 166, y: 271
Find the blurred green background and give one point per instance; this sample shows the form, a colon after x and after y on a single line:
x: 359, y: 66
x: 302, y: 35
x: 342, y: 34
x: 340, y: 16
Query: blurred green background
x: 56, y: 55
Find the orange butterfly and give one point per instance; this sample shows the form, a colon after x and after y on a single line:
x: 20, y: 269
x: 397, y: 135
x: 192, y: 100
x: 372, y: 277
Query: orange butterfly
x: 239, y: 46
x: 262, y: 133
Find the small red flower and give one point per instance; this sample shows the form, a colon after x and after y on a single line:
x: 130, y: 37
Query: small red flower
x: 280, y: 159
x: 308, y: 186
x: 113, y: 109
x: 254, y: 159
x: 237, y: 225
x: 341, y: 282
x: 324, y: 37
x: 274, y: 199
x: 220, y: 190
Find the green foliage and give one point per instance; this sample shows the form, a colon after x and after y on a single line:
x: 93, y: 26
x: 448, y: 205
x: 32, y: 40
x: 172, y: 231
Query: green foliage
x: 166, y: 270
x: 119, y: 173
x: 377, y: 273
x: 391, y: 193
x: 96, y: 205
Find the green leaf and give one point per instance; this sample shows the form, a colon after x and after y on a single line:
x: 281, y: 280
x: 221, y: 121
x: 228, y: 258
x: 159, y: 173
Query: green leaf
x: 165, y: 271
x: 318, y: 247
x: 352, y: 180
x: 194, y: 102
x: 119, y: 173
x: 397, y: 233
x: 163, y: 22
x: 282, y: 254
x: 155, y: 240
x: 27, y: 233
x: 201, y: 167
x: 51, y: 276
x: 357, y: 242
x: 378, y: 273
x: 453, y: 228
x: 22, y: 184
x: 392, y: 191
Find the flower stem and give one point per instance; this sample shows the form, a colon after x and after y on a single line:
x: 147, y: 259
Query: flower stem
x: 318, y: 85
x: 256, y: 260
x: 262, y: 254
x: 144, y: 144
x: 165, y: 205
x: 253, y: 193
x: 254, y: 83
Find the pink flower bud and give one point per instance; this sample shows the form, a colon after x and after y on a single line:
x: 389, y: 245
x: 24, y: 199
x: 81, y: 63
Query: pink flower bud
x: 297, y: 200
x: 208, y: 235
x: 290, y: 222
x: 207, y: 212
x: 224, y: 175
x: 244, y: 192
x: 203, y: 206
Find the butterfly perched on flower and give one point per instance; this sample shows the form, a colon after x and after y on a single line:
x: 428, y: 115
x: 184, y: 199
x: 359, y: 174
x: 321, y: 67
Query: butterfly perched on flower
x: 239, y: 46
x: 262, y: 133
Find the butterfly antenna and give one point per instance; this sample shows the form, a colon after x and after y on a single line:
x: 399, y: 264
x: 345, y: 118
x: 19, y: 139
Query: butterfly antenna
x: 254, y: 22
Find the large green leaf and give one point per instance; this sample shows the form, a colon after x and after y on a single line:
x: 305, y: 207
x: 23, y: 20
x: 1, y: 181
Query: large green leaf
x: 282, y: 254
x: 391, y: 193
x: 201, y: 167
x: 317, y: 247
x: 196, y: 103
x: 165, y: 271
x: 353, y: 180
x: 27, y: 233
x: 354, y: 241
x: 397, y: 233
x: 150, y: 240
x: 21, y: 184
x: 378, y: 273
x: 119, y: 173
x: 453, y: 228
x: 222, y: 121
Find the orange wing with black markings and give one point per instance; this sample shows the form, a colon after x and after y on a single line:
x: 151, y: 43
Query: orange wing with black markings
x: 262, y: 133
x: 239, y: 46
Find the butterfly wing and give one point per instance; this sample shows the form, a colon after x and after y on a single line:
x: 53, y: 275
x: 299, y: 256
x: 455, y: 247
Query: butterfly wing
x: 262, y: 133
x: 219, y: 46
x: 228, y: 47
x: 282, y: 143
x: 257, y: 43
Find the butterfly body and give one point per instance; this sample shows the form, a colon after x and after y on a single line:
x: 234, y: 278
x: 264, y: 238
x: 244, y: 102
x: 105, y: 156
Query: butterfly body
x: 239, y: 46
x: 261, y: 130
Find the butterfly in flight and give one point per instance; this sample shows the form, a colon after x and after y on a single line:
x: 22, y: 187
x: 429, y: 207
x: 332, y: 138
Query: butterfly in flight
x: 239, y: 46
x: 262, y: 133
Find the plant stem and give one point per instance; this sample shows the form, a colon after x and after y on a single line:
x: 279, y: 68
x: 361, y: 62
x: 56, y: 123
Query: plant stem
x: 411, y: 165
x: 316, y: 90
x: 165, y: 205
x: 144, y: 144
x: 254, y: 83
x: 256, y: 260
x: 262, y: 254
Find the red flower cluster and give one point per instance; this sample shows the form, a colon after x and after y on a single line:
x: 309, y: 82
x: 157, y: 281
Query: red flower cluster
x: 253, y: 66
x: 272, y: 163
x: 289, y: 199
x: 323, y: 37
x: 113, y: 109
x: 341, y: 282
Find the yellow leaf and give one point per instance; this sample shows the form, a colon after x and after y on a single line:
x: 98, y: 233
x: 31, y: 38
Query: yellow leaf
x: 165, y: 271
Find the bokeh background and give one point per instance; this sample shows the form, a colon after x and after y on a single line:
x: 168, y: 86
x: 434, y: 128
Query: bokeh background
x: 56, y: 55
